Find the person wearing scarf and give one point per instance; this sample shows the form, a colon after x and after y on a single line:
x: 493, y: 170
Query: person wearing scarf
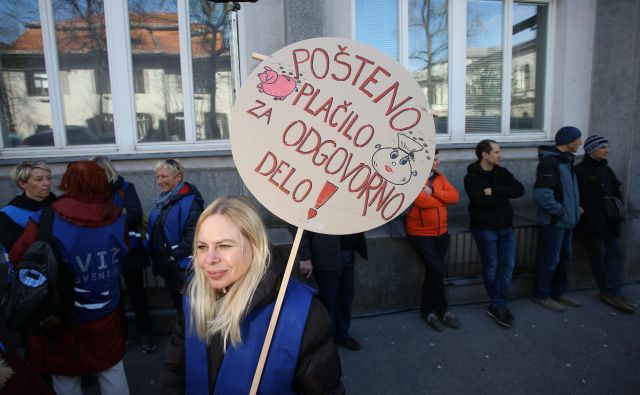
x: 172, y: 225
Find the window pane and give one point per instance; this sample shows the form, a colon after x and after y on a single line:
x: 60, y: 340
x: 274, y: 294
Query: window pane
x: 210, y: 35
x: 484, y: 66
x: 155, y: 44
x: 528, y: 66
x: 82, y: 54
x: 25, y: 118
x: 377, y: 25
x: 429, y: 54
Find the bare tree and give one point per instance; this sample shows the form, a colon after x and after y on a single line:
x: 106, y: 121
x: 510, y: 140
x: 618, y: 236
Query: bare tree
x: 15, y: 17
x: 431, y: 21
x: 84, y: 42
x: 208, y: 37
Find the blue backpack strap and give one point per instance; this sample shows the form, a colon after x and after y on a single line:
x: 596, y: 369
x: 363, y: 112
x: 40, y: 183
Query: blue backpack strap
x: 239, y: 364
x: 196, y: 361
x: 18, y: 215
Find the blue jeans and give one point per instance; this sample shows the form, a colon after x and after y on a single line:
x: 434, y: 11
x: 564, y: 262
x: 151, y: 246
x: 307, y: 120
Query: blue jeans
x: 336, y: 292
x: 498, y: 254
x: 605, y: 253
x: 432, y: 251
x: 552, y: 264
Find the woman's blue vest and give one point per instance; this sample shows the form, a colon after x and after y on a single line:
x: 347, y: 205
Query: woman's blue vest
x: 239, y: 364
x: 177, y: 216
x: 95, y: 256
x: 18, y: 215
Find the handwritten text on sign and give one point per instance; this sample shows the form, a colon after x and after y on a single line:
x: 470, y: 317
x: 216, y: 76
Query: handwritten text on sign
x: 332, y: 136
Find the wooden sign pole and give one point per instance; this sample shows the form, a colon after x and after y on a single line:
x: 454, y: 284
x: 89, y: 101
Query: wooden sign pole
x: 276, y: 313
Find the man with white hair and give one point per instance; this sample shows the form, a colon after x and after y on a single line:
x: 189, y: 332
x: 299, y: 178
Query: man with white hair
x: 600, y: 227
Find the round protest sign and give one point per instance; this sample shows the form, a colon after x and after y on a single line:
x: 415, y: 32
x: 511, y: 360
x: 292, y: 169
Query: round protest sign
x: 332, y: 136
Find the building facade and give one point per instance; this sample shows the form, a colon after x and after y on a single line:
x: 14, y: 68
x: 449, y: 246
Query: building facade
x: 139, y: 81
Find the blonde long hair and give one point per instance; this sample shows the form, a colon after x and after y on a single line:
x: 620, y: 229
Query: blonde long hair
x: 214, y: 315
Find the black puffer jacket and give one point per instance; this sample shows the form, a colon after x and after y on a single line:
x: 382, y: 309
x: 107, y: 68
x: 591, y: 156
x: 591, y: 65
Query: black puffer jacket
x: 491, y: 212
x: 596, y: 180
x: 318, y: 370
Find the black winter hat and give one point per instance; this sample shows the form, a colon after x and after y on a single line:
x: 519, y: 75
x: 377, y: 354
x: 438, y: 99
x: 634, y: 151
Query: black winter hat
x: 567, y: 134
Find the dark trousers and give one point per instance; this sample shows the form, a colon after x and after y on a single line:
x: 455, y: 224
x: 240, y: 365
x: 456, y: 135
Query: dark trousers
x: 552, y: 264
x: 432, y: 251
x: 138, y: 297
x: 174, y: 281
x: 336, y: 292
x: 605, y: 253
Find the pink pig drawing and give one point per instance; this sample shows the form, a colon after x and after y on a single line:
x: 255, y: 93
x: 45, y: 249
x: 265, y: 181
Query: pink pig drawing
x: 277, y: 85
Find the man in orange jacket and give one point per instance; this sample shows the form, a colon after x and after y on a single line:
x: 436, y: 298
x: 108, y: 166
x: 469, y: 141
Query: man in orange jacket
x: 426, y: 225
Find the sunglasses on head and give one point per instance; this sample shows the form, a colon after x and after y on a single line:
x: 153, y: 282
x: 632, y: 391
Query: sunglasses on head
x: 32, y: 164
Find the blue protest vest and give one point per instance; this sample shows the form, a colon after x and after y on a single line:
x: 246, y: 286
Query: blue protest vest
x: 239, y: 364
x: 174, y: 224
x: 95, y: 256
x: 18, y: 215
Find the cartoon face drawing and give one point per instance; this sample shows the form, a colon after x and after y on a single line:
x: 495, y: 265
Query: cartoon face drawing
x: 277, y: 85
x: 394, y: 163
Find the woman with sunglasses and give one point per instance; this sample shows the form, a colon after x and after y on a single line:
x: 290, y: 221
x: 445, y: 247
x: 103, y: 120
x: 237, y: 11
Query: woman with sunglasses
x: 171, y: 226
x: 34, y: 178
x: 88, y: 230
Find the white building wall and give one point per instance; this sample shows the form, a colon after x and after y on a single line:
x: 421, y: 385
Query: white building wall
x: 572, y: 63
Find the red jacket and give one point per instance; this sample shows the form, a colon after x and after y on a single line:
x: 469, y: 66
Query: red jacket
x: 428, y: 215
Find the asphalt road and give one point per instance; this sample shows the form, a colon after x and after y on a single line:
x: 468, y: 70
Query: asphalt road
x: 588, y: 350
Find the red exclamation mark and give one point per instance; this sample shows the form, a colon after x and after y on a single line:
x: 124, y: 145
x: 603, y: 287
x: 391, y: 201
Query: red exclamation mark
x: 327, y: 191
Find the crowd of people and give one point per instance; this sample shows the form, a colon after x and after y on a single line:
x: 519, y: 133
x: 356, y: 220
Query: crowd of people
x: 222, y: 275
x: 585, y: 197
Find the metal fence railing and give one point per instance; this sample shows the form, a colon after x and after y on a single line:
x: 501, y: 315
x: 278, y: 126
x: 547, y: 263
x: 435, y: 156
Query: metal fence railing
x: 463, y: 259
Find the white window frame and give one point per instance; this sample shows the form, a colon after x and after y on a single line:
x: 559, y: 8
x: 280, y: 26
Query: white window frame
x: 122, y: 87
x: 457, y: 71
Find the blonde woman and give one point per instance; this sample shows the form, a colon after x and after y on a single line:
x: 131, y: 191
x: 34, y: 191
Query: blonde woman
x: 34, y: 178
x: 218, y: 337
x: 171, y: 226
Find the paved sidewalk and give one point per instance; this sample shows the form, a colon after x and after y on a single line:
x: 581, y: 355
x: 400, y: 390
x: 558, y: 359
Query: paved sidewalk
x: 588, y: 350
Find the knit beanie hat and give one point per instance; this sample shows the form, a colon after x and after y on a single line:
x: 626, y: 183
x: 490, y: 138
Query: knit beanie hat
x: 593, y: 143
x: 567, y: 134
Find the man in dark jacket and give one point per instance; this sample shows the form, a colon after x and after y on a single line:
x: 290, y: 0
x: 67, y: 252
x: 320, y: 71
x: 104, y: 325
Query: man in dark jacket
x: 489, y: 187
x: 558, y: 199
x: 601, y: 234
x: 330, y: 259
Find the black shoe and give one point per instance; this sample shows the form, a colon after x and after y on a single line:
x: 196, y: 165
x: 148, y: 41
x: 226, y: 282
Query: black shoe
x: 351, y: 343
x: 450, y: 320
x: 147, y: 344
x: 433, y: 322
x: 510, y: 316
x: 500, y: 316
